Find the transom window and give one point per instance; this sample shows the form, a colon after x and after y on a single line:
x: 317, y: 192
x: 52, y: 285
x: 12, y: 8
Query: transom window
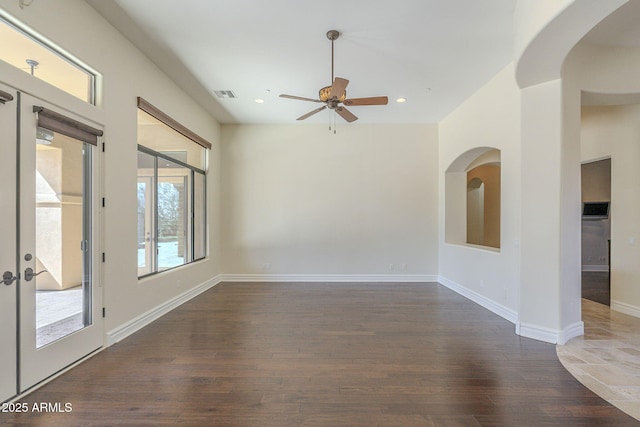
x: 40, y: 59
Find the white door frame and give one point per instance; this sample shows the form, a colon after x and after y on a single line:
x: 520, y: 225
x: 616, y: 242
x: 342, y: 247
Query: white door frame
x: 8, y: 300
x: 36, y: 364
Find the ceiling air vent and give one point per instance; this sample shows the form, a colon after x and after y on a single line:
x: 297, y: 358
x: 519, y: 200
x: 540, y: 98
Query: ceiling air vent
x: 225, y: 94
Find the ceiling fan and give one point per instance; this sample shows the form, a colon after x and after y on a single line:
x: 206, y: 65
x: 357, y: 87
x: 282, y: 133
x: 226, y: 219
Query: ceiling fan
x: 334, y: 97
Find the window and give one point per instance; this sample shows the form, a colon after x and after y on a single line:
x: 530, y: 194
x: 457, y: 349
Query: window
x: 171, y: 192
x: 34, y: 56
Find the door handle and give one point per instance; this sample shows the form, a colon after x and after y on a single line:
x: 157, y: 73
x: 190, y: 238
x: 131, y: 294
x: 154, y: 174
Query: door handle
x: 29, y: 274
x: 8, y: 278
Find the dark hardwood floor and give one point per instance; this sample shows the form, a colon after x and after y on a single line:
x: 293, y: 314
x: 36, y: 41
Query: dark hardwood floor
x: 247, y: 354
x: 595, y: 286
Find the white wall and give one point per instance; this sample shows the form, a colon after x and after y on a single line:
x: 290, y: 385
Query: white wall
x: 490, y: 118
x: 301, y: 202
x: 609, y: 75
x: 614, y: 131
x: 127, y: 73
x: 553, y: 76
x: 553, y: 72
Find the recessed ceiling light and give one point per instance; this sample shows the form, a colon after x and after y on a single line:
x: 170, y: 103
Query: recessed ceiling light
x: 259, y: 100
x: 401, y: 100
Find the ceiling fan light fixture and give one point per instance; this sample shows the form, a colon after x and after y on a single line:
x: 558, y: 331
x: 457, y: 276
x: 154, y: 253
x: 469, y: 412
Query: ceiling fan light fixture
x: 335, y: 96
x: 326, y: 91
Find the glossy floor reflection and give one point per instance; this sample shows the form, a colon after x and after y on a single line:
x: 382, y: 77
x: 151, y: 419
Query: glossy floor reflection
x: 596, y: 286
x: 314, y: 354
x: 607, y: 358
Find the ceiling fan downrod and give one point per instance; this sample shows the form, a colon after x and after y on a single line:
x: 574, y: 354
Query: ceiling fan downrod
x: 332, y: 35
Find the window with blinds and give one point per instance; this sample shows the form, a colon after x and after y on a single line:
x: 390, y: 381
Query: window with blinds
x: 171, y: 191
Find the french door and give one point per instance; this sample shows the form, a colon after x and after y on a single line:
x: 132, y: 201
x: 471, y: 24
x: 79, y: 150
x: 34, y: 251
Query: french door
x: 8, y: 264
x: 55, y: 300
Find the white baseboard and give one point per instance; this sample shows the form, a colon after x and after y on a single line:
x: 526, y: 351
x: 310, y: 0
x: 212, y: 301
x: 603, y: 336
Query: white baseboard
x: 552, y: 336
x: 527, y: 330
x: 625, y: 308
x: 332, y: 278
x: 134, y: 325
x: 600, y: 267
x: 570, y: 332
x: 537, y: 332
x: 499, y: 309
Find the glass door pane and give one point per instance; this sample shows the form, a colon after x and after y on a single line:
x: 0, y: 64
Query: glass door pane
x: 61, y: 244
x: 174, y: 197
x: 146, y: 215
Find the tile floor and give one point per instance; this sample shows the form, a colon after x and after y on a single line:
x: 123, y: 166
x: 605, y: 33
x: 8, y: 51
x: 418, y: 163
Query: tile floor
x: 607, y: 358
x: 53, y: 306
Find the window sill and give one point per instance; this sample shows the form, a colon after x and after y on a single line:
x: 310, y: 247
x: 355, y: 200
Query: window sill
x: 478, y: 247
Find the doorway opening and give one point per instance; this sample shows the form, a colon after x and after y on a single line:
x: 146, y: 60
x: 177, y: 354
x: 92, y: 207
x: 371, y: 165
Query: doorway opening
x: 596, y: 231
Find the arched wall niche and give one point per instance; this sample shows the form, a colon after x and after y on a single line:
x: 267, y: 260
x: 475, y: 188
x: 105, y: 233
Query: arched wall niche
x: 466, y: 159
x: 475, y: 211
x: 472, y: 198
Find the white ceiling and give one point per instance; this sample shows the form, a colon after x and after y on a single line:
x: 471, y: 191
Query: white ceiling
x: 435, y: 53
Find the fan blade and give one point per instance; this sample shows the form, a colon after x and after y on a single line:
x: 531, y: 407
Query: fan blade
x: 374, y: 100
x: 299, y: 98
x: 311, y: 113
x: 338, y: 87
x: 346, y: 114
